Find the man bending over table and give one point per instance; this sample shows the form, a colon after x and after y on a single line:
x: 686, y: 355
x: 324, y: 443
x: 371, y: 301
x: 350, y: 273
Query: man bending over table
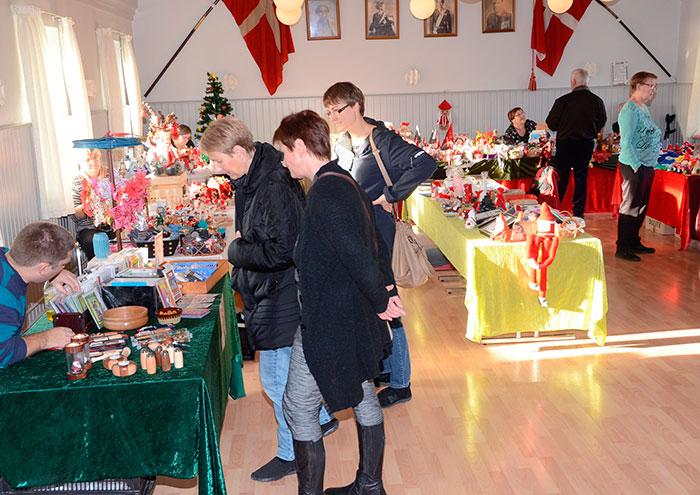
x: 38, y: 254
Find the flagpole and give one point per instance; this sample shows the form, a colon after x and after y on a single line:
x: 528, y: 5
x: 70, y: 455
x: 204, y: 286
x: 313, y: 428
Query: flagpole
x: 182, y: 45
x: 633, y: 35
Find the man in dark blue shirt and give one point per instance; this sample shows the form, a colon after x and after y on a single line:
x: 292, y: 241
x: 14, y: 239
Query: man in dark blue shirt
x: 38, y: 254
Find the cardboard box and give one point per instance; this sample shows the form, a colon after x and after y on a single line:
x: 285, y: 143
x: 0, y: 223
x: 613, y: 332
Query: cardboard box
x: 659, y: 227
x: 172, y: 189
x: 206, y: 285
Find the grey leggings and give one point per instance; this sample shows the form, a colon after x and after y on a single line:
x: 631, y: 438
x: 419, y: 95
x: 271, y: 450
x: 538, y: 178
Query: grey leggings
x: 302, y: 399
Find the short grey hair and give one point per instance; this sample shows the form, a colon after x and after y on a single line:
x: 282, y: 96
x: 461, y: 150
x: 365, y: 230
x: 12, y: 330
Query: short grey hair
x: 580, y: 77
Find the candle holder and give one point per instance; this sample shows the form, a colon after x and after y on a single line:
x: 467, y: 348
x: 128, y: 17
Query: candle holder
x: 84, y: 339
x: 75, y: 361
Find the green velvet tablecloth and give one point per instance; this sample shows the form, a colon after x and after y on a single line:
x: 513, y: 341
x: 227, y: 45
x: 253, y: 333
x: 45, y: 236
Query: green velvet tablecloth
x: 56, y: 431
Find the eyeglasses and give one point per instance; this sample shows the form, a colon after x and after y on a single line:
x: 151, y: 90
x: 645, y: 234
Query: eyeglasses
x: 651, y: 86
x: 336, y: 111
x: 519, y: 114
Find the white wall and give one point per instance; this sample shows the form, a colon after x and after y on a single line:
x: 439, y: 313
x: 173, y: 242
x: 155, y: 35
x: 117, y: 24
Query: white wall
x: 689, y: 40
x: 472, y: 61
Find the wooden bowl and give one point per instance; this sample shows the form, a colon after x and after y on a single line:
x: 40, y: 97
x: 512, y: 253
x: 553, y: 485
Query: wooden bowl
x: 125, y: 317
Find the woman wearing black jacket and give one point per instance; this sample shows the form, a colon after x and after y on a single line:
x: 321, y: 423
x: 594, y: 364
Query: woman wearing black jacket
x: 269, y: 206
x: 407, y: 166
x: 347, y: 293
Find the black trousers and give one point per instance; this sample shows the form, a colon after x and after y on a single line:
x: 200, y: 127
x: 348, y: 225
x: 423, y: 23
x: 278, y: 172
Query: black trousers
x: 636, y: 187
x: 576, y: 155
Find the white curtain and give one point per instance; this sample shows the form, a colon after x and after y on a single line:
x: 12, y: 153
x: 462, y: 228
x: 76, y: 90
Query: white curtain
x: 692, y: 128
x: 78, y: 123
x: 133, y: 86
x: 54, y: 194
x: 109, y: 73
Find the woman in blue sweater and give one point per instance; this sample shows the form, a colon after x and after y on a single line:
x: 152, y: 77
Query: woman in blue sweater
x: 640, y: 142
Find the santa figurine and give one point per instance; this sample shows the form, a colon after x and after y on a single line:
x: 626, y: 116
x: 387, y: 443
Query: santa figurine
x: 540, y: 250
x: 444, y: 123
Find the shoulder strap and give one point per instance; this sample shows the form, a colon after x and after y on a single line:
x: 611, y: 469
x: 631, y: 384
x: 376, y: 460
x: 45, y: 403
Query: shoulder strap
x: 354, y: 184
x: 380, y: 163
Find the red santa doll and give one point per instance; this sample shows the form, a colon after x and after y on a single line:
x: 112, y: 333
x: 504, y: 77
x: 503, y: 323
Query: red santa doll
x: 540, y: 250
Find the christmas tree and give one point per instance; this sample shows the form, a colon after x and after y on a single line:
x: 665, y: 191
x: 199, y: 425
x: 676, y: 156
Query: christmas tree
x: 215, y: 105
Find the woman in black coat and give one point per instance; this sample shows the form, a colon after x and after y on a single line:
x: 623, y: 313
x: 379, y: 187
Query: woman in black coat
x: 269, y: 206
x: 348, y: 294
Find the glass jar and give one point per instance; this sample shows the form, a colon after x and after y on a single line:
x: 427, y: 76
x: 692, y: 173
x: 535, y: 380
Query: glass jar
x: 84, y: 339
x: 75, y: 361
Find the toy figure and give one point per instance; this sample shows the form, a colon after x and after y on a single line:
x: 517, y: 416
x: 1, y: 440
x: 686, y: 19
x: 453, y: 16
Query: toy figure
x: 536, y: 260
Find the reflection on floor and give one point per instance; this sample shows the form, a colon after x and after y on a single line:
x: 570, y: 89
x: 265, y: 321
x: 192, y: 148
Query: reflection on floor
x: 544, y: 417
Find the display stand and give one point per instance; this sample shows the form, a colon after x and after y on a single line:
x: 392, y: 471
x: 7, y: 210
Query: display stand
x: 109, y: 143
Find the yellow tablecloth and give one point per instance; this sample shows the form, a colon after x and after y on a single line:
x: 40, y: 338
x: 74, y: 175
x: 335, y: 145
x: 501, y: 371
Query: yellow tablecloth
x: 498, y: 299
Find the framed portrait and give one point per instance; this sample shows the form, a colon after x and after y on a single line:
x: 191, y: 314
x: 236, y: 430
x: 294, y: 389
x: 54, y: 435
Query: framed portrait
x: 381, y: 19
x: 322, y: 20
x: 443, y: 22
x: 497, y: 16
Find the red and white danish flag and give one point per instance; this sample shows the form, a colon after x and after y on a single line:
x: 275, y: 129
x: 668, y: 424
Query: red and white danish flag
x: 269, y: 41
x: 551, y: 32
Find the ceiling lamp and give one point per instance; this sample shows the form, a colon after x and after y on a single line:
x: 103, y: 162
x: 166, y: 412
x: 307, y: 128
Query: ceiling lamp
x: 289, y: 18
x: 559, y: 6
x: 289, y: 5
x: 422, y: 9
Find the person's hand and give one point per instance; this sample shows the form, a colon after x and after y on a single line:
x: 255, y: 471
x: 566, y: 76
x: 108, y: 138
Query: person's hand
x: 393, y: 310
x: 58, y: 337
x: 381, y: 200
x: 64, y: 278
x: 237, y: 235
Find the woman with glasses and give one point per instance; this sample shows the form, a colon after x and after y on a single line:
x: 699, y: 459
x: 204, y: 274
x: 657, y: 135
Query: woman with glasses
x: 520, y: 127
x: 640, y: 142
x: 407, y: 166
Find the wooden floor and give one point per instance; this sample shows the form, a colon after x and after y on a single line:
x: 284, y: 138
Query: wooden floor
x: 550, y: 417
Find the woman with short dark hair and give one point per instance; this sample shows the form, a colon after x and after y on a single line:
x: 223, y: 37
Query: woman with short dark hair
x: 347, y: 293
x: 520, y: 127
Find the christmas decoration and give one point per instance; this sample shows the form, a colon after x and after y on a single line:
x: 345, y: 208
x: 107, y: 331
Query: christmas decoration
x: 214, y: 106
x: 540, y: 249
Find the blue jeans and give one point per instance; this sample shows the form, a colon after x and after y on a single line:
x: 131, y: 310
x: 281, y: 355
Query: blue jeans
x: 274, y: 368
x: 398, y: 363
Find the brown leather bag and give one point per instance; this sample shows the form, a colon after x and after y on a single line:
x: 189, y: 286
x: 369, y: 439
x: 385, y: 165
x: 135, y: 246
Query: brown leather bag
x: 408, y: 260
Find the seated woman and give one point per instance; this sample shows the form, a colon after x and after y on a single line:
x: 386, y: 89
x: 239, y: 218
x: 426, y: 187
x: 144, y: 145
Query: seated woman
x: 84, y: 224
x: 184, y: 138
x: 520, y: 128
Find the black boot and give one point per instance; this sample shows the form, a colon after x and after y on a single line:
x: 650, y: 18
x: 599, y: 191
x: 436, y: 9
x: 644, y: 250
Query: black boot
x: 311, y: 462
x: 368, y: 480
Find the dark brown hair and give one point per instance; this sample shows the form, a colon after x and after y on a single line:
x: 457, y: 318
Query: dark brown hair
x: 41, y: 242
x: 184, y: 129
x: 639, y: 78
x: 512, y: 112
x: 308, y: 126
x: 223, y: 134
x: 344, y: 92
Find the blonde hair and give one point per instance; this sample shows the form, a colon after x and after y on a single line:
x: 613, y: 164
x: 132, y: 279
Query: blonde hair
x: 225, y: 133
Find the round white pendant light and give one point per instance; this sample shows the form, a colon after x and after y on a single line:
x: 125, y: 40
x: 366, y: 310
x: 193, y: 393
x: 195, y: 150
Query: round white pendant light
x: 559, y: 6
x: 289, y: 5
x: 289, y: 18
x: 422, y: 9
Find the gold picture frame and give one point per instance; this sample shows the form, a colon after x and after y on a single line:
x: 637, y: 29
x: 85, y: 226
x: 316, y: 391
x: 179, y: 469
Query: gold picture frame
x: 497, y: 16
x: 381, y: 19
x: 443, y: 22
x: 322, y: 20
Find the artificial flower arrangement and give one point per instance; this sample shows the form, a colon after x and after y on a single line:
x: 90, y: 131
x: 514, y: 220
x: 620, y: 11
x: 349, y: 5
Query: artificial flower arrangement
x: 118, y: 204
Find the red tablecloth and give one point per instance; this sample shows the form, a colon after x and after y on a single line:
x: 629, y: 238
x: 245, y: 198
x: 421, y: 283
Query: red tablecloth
x: 599, y: 192
x: 669, y: 201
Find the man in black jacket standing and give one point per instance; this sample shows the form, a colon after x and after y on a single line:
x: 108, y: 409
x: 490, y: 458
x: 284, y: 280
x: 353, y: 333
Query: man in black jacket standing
x: 577, y: 117
x: 269, y: 206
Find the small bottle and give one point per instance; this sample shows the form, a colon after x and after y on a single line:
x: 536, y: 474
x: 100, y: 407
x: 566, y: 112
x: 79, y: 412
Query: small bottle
x: 179, y: 360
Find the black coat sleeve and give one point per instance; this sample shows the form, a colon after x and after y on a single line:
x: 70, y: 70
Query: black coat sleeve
x: 407, y: 164
x: 270, y: 247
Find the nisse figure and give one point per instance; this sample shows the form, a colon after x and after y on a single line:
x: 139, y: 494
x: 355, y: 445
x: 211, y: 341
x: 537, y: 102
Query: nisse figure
x: 38, y: 254
x: 269, y: 206
x: 541, y: 248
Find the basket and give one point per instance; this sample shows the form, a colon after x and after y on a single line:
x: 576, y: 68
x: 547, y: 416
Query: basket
x: 169, y: 247
x: 127, y: 486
